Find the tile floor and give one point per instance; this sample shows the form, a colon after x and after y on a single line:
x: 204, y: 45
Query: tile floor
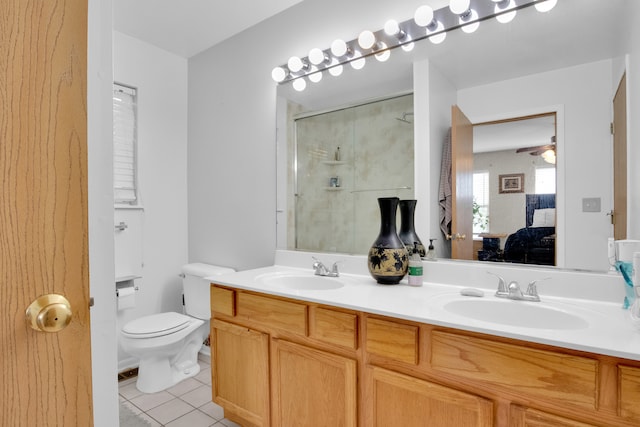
x: 187, y: 404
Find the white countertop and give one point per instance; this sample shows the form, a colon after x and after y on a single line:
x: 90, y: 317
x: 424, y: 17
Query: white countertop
x: 609, y: 330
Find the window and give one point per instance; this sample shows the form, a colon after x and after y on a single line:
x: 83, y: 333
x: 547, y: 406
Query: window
x: 545, y: 180
x: 124, y: 145
x: 480, y: 202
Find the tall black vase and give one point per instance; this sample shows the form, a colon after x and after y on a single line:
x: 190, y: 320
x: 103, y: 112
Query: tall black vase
x: 388, y: 258
x: 407, y: 228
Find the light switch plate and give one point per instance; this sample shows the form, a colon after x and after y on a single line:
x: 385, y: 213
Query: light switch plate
x: 591, y: 204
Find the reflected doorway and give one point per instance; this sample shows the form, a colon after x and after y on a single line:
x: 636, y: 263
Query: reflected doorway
x: 514, y: 216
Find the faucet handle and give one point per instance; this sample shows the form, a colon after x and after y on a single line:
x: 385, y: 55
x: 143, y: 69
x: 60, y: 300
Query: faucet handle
x: 532, y: 289
x: 502, y: 285
x: 334, y: 268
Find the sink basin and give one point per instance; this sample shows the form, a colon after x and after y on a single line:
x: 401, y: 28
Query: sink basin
x: 516, y: 313
x: 303, y: 282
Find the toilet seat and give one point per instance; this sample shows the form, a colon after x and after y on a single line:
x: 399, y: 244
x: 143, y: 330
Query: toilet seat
x: 156, y: 325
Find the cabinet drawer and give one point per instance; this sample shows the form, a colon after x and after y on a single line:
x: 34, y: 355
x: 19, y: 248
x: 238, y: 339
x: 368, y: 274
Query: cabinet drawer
x: 392, y: 340
x: 273, y: 313
x: 223, y: 300
x: 629, y: 392
x: 545, y: 374
x: 334, y: 327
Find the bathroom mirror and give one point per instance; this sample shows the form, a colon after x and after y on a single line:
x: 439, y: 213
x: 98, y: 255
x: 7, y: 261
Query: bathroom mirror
x: 534, y: 46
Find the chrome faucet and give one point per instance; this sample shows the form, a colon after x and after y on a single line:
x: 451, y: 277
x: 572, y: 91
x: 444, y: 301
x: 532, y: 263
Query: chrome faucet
x: 514, y: 292
x: 322, y: 270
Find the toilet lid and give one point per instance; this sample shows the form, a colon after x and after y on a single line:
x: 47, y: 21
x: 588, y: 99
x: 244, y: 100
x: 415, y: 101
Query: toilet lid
x: 156, y: 325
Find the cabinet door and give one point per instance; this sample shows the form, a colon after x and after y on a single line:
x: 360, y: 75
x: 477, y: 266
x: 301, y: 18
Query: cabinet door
x: 527, y: 417
x: 401, y: 400
x: 312, y: 387
x: 240, y: 369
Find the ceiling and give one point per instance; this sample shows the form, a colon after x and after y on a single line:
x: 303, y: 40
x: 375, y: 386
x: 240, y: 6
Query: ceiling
x: 188, y: 27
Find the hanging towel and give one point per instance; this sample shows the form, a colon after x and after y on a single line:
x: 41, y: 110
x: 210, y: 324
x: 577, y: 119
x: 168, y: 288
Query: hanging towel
x: 445, y: 191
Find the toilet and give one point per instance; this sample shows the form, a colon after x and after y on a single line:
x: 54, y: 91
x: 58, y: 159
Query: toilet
x: 167, y: 344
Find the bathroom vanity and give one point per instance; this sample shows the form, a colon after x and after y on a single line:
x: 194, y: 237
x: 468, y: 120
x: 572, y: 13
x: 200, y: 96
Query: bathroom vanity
x: 290, y: 349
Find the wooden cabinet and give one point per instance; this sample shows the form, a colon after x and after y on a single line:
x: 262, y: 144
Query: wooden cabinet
x: 532, y: 372
x: 240, y: 360
x: 402, y: 400
x: 629, y: 392
x: 312, y: 387
x: 527, y: 417
x: 282, y: 362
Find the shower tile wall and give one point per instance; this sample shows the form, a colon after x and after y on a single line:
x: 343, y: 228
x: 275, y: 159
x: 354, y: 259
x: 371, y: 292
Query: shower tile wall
x: 376, y: 159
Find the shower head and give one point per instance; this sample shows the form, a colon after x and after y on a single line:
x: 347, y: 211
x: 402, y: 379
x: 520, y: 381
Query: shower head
x: 404, y: 118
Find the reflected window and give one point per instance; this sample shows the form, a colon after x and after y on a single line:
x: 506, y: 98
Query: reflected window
x: 480, y: 202
x: 545, y: 180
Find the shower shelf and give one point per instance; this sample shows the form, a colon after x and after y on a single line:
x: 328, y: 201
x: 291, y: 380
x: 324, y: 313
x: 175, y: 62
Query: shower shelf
x: 334, y: 162
x: 334, y: 188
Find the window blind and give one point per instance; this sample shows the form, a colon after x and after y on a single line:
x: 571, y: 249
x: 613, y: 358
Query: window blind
x: 124, y: 145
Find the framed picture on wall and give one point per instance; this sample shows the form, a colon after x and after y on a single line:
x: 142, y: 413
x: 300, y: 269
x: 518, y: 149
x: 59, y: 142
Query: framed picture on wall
x: 511, y: 183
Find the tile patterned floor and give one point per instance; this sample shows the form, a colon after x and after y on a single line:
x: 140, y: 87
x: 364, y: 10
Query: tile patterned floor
x: 187, y: 404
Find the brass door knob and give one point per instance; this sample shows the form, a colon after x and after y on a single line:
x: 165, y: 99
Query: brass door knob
x: 49, y: 313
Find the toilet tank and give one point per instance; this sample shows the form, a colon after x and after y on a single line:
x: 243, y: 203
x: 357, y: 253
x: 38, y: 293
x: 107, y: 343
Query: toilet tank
x: 197, y: 290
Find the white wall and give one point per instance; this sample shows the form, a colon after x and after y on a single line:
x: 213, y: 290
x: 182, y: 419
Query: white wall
x: 161, y: 80
x: 633, y: 130
x: 100, y: 187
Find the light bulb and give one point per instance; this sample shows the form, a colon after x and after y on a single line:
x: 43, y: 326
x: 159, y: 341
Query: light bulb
x: 315, y: 76
x: 366, y: 39
x: 549, y: 156
x: 408, y: 47
x: 339, y: 47
x: 459, y: 6
x: 470, y: 28
x: 359, y: 62
x: 317, y: 56
x: 437, y: 38
x: 391, y: 27
x: 299, y: 84
x: 384, y: 55
x: 278, y: 74
x: 504, y: 5
x: 546, y: 6
x: 423, y: 16
x: 295, y: 64
x: 336, y: 68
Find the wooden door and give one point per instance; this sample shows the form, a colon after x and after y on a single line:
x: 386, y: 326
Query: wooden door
x: 240, y: 366
x: 620, y: 161
x: 312, y: 387
x: 46, y: 377
x: 461, y: 185
x: 401, y: 400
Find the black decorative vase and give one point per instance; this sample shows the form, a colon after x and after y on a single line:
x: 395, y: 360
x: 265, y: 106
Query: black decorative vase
x: 407, y: 228
x: 388, y: 258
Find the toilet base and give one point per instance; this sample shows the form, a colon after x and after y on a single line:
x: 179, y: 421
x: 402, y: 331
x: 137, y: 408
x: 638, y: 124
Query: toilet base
x: 156, y: 374
x: 159, y: 372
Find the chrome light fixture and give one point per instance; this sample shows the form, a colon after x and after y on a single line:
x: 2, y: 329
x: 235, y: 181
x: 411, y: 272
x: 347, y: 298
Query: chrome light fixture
x: 426, y: 24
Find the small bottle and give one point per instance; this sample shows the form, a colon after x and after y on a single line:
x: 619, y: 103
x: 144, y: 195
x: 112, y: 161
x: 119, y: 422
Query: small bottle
x: 336, y: 157
x: 415, y: 267
x: 431, y: 252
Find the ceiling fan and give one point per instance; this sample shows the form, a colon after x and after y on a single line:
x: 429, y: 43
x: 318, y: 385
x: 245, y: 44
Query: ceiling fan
x: 539, y: 149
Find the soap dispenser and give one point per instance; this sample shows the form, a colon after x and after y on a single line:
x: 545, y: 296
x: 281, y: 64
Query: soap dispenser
x: 431, y: 252
x: 415, y: 267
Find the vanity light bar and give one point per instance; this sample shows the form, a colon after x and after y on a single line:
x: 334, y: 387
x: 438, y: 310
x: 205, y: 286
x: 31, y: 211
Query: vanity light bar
x: 468, y: 15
